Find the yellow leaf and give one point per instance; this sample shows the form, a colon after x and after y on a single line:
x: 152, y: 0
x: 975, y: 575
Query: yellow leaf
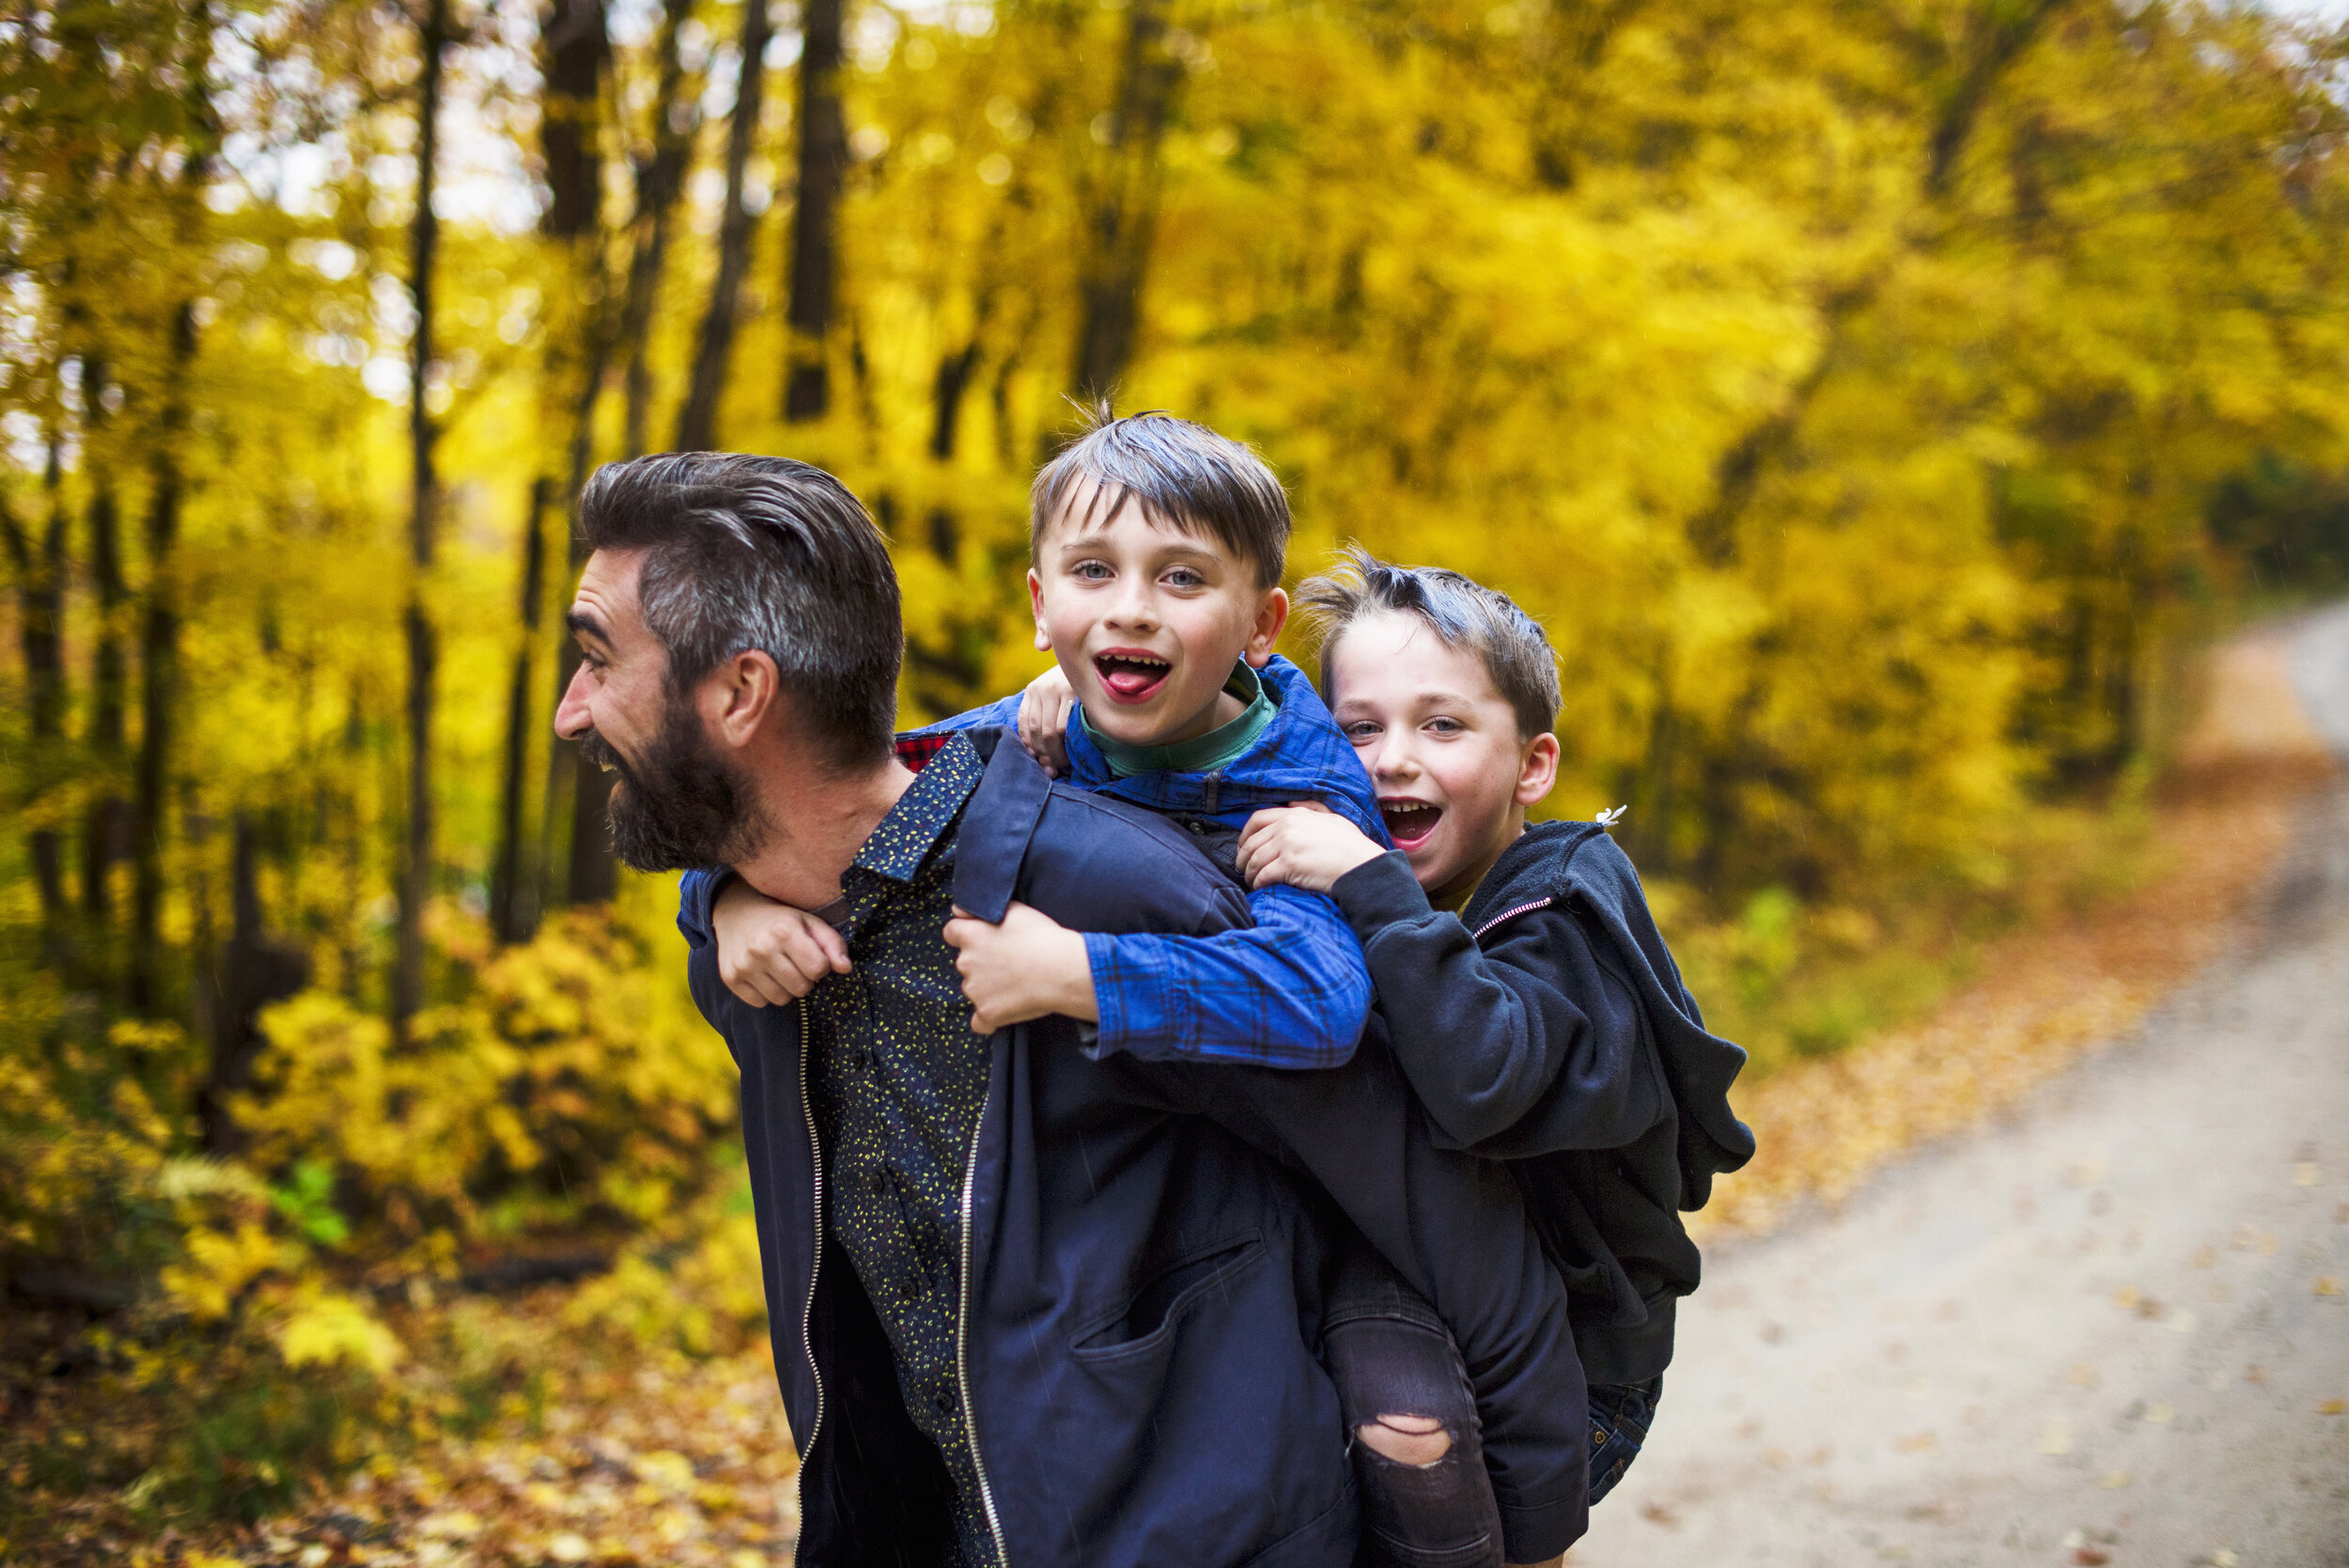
x: 220, y: 1265
x: 330, y: 1329
x: 2331, y: 1408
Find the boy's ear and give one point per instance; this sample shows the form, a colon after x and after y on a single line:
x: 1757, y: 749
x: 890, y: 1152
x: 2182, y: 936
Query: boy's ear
x: 1538, y: 773
x: 1272, y: 614
x: 1035, y: 606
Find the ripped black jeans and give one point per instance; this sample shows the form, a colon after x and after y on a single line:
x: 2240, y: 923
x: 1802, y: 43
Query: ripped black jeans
x: 1389, y: 1354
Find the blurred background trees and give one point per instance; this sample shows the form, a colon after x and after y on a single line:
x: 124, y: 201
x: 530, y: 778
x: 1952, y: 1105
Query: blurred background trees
x: 1872, y: 400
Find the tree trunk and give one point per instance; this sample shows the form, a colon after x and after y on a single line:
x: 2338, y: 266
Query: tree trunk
x: 1125, y: 205
x: 104, y: 829
x: 41, y: 614
x: 591, y: 872
x: 815, y: 213
x: 159, y: 668
x: 513, y: 906
x: 947, y: 390
x: 574, y: 52
x: 697, y: 422
x: 573, y: 49
x: 659, y: 178
x: 255, y: 969
x: 415, y: 878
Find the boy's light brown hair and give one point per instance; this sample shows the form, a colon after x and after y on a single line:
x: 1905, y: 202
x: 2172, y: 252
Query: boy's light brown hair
x: 1459, y: 610
x: 1186, y: 477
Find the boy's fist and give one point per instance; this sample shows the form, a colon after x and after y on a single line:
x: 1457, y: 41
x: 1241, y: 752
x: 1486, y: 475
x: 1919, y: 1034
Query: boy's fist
x: 769, y: 954
x: 1043, y: 710
x: 1304, y: 843
x: 1028, y: 966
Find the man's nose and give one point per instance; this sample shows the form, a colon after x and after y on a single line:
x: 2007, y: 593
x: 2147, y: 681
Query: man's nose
x: 570, y: 714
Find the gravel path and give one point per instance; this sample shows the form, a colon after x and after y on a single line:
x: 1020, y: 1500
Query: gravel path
x: 2112, y: 1328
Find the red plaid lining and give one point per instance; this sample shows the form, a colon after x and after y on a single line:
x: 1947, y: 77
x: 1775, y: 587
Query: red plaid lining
x: 916, y: 750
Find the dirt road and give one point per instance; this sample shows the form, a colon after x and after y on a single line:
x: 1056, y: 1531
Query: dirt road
x: 2113, y: 1329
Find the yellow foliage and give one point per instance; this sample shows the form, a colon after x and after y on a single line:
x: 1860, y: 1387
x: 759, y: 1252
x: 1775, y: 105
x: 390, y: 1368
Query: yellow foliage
x: 324, y: 1328
x: 577, y: 1065
x: 220, y: 1265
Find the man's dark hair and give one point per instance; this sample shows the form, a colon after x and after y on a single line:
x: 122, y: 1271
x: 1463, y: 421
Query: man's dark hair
x: 1459, y: 610
x: 762, y: 552
x: 1186, y: 477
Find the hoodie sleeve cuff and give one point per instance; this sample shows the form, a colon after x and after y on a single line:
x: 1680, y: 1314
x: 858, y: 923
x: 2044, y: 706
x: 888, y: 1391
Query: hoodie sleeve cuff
x: 1378, y: 894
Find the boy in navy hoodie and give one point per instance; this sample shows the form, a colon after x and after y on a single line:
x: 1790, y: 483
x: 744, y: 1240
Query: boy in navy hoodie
x: 1157, y: 552
x: 1531, y: 1002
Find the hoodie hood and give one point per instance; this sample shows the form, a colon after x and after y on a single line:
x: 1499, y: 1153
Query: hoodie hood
x: 1577, y: 864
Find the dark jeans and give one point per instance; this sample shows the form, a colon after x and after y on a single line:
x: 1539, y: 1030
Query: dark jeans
x: 1390, y: 1355
x: 1621, y: 1414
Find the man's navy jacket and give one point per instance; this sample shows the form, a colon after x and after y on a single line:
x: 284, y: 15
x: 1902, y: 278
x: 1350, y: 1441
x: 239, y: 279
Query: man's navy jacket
x: 1144, y: 1250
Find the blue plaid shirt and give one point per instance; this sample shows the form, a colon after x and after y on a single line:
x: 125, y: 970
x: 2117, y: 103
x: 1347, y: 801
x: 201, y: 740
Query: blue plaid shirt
x: 1293, y: 991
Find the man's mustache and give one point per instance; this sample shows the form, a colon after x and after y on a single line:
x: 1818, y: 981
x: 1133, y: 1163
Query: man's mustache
x: 596, y: 749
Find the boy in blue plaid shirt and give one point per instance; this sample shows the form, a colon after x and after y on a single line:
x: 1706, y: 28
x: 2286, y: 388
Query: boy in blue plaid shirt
x: 1158, y: 547
x: 1157, y: 550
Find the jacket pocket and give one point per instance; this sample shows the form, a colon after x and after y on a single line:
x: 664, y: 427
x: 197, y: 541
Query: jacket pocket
x: 1164, y: 1299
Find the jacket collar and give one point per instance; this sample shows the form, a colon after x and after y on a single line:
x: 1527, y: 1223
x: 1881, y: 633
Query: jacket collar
x: 1302, y: 754
x: 1004, y: 808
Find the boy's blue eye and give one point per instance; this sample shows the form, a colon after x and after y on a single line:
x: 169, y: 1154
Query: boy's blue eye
x: 1092, y: 571
x: 1183, y: 577
x: 1444, y: 726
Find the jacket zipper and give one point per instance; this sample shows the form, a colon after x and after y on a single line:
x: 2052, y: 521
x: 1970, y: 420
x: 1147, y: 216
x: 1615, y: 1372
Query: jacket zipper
x: 962, y: 1346
x: 807, y: 1316
x: 1507, y: 915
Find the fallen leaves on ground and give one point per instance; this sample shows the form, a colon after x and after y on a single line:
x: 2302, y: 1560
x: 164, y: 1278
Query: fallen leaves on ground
x: 651, y: 1461
x: 2048, y: 997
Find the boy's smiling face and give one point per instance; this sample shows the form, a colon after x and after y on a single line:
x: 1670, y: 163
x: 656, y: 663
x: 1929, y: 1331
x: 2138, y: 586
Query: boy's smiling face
x: 1441, y: 742
x: 1147, y: 619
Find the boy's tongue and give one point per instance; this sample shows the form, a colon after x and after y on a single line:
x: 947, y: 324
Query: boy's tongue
x: 1131, y: 679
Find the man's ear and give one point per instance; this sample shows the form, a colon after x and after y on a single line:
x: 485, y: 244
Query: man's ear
x: 1035, y: 606
x: 739, y: 695
x: 1272, y: 614
x: 1538, y: 773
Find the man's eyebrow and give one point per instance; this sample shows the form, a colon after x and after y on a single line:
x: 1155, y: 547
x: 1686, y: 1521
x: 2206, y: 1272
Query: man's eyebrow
x: 584, y: 625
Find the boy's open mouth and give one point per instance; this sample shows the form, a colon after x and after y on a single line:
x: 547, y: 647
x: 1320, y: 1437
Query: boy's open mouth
x: 1409, y: 822
x: 1130, y: 675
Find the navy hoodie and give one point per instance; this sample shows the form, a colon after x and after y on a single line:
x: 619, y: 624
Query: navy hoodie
x: 1547, y: 1025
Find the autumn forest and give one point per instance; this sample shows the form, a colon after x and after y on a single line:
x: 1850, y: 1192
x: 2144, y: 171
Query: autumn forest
x: 1876, y: 401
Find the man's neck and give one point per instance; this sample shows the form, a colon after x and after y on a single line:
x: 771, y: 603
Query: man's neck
x: 821, y: 823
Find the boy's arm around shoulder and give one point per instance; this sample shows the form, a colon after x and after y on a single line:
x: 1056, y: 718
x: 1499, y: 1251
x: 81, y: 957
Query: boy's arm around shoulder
x: 697, y: 894
x: 1531, y: 1047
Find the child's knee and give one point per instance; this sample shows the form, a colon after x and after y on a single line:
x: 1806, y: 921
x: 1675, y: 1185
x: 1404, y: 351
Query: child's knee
x: 1418, y: 1441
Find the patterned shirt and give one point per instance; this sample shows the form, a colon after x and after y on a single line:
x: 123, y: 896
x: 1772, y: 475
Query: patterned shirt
x: 897, y: 1080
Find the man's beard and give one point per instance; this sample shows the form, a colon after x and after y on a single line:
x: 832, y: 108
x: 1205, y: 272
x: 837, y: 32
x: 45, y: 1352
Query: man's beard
x: 682, y: 805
